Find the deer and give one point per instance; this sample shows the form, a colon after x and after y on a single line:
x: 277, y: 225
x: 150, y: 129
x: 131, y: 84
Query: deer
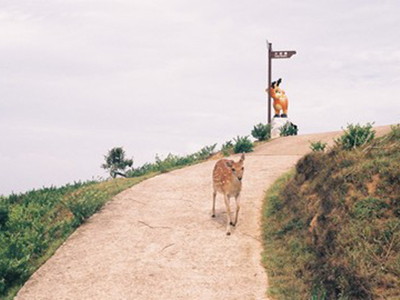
x: 227, y: 180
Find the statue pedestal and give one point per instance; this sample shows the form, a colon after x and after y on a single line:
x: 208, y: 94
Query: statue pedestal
x: 276, y: 124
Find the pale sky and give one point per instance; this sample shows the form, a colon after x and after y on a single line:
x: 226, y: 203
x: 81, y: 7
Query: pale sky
x: 78, y: 77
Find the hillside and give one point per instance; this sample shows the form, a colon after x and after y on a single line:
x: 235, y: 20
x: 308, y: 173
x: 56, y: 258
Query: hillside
x: 332, y: 225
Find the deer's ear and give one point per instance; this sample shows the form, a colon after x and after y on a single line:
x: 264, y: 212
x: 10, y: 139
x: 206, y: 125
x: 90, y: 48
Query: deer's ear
x: 242, y: 157
x: 279, y: 81
x: 229, y: 163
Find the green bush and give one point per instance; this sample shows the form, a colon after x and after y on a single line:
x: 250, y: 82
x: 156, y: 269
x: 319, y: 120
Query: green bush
x: 289, y: 129
x: 261, y: 132
x: 355, y: 136
x: 242, y: 144
x: 318, y: 146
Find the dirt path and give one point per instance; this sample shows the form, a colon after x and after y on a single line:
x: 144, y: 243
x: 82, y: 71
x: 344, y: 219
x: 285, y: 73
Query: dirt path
x: 158, y: 241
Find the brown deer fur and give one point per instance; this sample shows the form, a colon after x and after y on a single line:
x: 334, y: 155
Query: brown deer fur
x: 227, y: 180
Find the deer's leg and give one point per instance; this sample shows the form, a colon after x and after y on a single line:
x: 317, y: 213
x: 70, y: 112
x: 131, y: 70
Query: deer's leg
x: 228, y: 215
x: 237, y: 199
x: 213, y: 206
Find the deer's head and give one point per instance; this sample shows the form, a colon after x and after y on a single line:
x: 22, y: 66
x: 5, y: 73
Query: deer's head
x: 237, y: 167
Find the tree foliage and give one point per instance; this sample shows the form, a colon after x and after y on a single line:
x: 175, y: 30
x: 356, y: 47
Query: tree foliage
x: 116, y: 163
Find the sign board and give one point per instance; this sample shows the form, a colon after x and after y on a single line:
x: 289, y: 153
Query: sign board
x: 270, y: 55
x: 282, y: 54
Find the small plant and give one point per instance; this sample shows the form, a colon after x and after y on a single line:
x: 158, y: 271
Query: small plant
x: 226, y: 148
x: 242, y: 144
x: 395, y: 132
x: 318, y: 146
x: 289, y: 129
x: 227, y: 145
x: 261, y: 132
x: 318, y: 293
x: 116, y: 162
x: 355, y: 136
x: 205, y: 152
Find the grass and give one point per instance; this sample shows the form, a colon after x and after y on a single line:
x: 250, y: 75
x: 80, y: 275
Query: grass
x: 34, y: 224
x: 173, y: 162
x: 331, y: 226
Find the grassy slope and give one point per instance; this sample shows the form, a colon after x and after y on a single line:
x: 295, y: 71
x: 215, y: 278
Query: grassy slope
x: 33, y: 225
x: 332, y: 226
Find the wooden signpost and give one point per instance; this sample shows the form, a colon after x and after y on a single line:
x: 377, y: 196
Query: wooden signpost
x: 276, y: 55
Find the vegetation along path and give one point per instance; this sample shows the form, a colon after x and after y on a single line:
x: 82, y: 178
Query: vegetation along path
x: 157, y: 240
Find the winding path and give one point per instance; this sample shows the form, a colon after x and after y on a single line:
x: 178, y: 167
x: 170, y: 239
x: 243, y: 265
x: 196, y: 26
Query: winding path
x: 157, y: 240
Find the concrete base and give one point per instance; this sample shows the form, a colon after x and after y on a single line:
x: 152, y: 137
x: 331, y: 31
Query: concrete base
x: 276, y: 124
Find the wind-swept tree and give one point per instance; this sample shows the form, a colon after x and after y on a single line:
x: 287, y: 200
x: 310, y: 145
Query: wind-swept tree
x: 116, y: 162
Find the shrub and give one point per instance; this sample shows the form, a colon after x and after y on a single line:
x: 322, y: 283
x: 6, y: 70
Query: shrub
x: 242, y: 144
x: 395, y: 132
x: 261, y: 132
x: 355, y: 136
x: 227, y: 145
x: 318, y: 146
x: 289, y: 129
x: 226, y: 148
x: 205, y: 152
x: 116, y: 162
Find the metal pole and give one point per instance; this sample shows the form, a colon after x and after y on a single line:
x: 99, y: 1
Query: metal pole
x: 269, y: 46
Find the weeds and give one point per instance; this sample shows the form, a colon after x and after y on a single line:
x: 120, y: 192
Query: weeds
x: 355, y: 136
x: 318, y: 146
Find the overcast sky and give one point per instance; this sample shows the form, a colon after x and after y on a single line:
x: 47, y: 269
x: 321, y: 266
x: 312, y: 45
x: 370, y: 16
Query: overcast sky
x: 79, y: 77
